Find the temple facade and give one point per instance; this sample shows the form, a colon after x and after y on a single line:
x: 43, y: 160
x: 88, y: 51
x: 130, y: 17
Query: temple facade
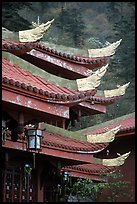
x: 44, y: 90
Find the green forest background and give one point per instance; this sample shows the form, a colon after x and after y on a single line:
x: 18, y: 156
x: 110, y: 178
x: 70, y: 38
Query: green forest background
x: 87, y: 25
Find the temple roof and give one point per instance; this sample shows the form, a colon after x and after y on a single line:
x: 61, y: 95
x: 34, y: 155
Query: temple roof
x: 14, y: 75
x: 58, y: 146
x: 66, y: 65
x: 126, y: 123
x: 71, y: 63
x: 17, y: 77
x: 22, y: 47
x: 69, y: 144
x: 91, y: 171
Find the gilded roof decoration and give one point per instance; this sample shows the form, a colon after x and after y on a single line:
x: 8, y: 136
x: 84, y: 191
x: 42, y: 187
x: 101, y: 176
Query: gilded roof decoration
x: 92, y: 81
x: 34, y: 34
x: 116, y: 92
x: 108, y: 136
x: 116, y: 161
x: 106, y: 51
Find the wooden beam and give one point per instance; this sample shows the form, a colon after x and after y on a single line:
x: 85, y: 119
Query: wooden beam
x: 93, y: 107
x: 80, y: 174
x: 65, y: 64
x: 32, y: 103
x: 52, y: 151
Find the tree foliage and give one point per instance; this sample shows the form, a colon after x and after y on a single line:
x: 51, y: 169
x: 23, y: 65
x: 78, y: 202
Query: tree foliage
x: 112, y: 188
x: 70, y: 23
x: 10, y: 17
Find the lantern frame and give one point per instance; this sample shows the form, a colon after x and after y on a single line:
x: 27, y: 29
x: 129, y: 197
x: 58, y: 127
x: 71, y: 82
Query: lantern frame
x: 34, y: 138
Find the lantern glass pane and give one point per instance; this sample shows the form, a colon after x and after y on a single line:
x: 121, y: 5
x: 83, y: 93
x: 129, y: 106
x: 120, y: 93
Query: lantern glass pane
x: 39, y: 132
x: 38, y: 142
x: 32, y: 142
x: 3, y: 123
x: 31, y: 132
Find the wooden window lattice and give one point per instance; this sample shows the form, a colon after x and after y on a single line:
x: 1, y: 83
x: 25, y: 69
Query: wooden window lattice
x: 15, y: 187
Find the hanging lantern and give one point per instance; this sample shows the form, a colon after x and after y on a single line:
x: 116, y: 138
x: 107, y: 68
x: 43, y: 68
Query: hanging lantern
x: 66, y: 176
x: 34, y: 138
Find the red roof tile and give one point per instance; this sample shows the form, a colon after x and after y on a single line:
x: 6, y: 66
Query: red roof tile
x: 91, y: 61
x: 17, y: 46
x: 16, y: 76
x: 70, y: 144
x: 90, y: 168
x: 127, y: 124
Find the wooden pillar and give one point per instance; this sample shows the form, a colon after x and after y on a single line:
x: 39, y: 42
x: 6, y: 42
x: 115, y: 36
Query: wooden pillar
x: 63, y: 124
x: 21, y: 118
x: 40, y: 188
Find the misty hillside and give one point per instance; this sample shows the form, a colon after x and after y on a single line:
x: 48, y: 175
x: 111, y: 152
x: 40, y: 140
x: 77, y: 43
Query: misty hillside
x: 84, y: 25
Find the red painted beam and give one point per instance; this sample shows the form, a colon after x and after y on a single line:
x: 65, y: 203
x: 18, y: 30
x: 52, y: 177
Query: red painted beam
x: 120, y: 134
x: 19, y: 145
x: 68, y: 155
x: 96, y: 107
x: 32, y: 103
x: 79, y: 174
x: 66, y: 65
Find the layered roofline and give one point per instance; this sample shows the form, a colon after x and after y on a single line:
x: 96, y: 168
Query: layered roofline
x: 106, y: 51
x: 59, y: 81
x: 82, y: 134
x: 92, y: 171
x: 114, y: 121
x: 17, y: 81
x: 36, y: 71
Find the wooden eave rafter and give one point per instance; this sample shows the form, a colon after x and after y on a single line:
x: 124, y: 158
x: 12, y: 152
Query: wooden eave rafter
x: 55, y: 64
x: 35, y: 103
x: 91, y: 171
x: 62, y: 99
x: 82, y: 174
x: 52, y: 151
x: 87, y: 62
x: 127, y: 132
x: 17, y: 48
x: 88, y: 108
x: 53, y: 60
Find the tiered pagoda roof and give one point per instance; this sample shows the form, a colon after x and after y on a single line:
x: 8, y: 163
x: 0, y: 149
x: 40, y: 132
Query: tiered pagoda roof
x: 22, y: 88
x: 92, y: 171
x: 67, y: 62
x: 126, y: 123
x: 59, y: 144
x: 45, y: 92
x: 127, y: 128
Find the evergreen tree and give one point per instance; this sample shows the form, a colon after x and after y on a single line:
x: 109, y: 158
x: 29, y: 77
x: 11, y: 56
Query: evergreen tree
x: 71, y: 24
x: 10, y: 17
